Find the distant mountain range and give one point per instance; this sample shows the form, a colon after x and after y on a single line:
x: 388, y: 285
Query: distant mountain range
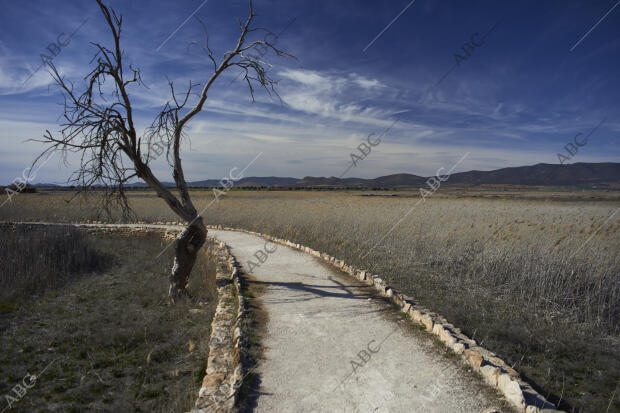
x: 249, y: 181
x: 576, y: 174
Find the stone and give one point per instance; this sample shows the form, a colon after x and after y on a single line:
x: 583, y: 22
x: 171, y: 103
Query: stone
x: 534, y: 399
x: 511, y: 390
x: 212, y: 381
x: 397, y: 298
x: 428, y: 322
x: 485, y: 353
x: 490, y: 374
x: 237, y: 334
x: 444, y: 334
x: 409, y: 298
x: 458, y: 348
x: 466, y: 340
x: 415, y: 315
x: 511, y: 371
x: 447, y: 338
x: 497, y: 361
x: 473, y: 358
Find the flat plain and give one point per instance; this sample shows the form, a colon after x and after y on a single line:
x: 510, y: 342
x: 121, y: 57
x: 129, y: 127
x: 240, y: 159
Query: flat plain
x: 531, y: 275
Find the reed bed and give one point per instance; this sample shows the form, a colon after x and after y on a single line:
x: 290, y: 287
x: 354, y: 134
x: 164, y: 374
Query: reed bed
x: 536, y: 281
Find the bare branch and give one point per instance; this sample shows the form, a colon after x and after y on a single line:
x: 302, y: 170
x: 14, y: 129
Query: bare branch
x: 99, y: 125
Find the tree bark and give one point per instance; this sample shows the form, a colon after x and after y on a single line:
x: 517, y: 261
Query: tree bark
x: 186, y: 247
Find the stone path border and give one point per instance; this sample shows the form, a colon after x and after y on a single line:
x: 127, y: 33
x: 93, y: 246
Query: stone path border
x: 494, y: 370
x: 227, y: 346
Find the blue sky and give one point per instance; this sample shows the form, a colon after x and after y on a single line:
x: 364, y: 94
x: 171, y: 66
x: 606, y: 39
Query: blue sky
x: 516, y: 100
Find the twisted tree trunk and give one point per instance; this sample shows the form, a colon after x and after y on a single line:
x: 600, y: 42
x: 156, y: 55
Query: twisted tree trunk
x: 186, y: 247
x: 102, y: 129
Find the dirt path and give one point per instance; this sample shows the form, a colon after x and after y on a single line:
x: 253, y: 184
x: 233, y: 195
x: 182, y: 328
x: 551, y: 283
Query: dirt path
x: 330, y: 347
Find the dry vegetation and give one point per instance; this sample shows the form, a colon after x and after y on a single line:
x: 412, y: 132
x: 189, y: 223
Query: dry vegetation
x: 533, y: 280
x: 36, y: 259
x: 110, y: 340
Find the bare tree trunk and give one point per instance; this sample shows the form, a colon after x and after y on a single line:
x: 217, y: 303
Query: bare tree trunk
x: 186, y: 249
x: 102, y: 129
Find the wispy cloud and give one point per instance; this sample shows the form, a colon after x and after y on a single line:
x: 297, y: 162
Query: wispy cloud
x: 513, y: 105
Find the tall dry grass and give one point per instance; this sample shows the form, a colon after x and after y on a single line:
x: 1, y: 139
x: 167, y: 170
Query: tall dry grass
x: 110, y: 341
x: 36, y: 259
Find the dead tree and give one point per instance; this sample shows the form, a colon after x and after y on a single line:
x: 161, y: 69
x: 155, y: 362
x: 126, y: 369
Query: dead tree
x: 98, y: 124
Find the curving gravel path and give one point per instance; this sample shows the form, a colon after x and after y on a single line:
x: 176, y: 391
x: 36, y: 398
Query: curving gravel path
x: 331, y: 346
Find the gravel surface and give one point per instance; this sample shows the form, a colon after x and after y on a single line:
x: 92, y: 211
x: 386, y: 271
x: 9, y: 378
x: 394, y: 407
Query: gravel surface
x: 331, y: 345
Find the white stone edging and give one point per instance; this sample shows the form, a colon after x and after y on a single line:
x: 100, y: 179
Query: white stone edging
x: 494, y: 370
x: 227, y: 345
